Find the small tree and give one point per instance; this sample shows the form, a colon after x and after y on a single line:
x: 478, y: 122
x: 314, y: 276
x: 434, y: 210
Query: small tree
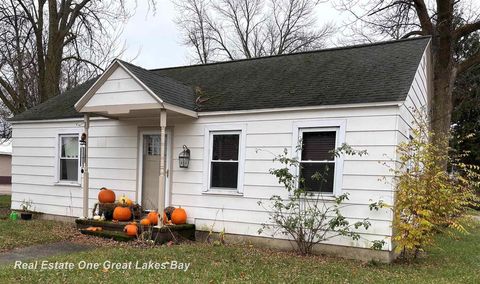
x: 309, y: 217
x: 428, y: 198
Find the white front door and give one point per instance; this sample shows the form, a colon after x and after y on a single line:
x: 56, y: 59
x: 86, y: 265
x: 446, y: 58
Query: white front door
x: 150, y: 169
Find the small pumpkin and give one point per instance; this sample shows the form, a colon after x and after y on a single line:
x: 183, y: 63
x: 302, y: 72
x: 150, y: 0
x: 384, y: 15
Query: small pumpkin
x: 145, y: 222
x: 125, y: 201
x: 106, y: 195
x: 179, y: 216
x: 131, y: 229
x: 167, y: 215
x: 122, y: 213
x: 153, y: 217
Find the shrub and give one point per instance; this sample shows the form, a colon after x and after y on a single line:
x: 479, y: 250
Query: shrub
x: 307, y: 217
x: 428, y: 198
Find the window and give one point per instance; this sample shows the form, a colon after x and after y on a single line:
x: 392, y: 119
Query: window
x: 317, y: 160
x: 319, y: 138
x: 224, y: 160
x: 68, y: 158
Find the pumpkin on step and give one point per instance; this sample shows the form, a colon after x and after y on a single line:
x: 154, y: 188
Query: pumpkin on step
x: 125, y: 201
x: 179, y: 216
x: 122, y: 213
x: 153, y: 217
x: 131, y: 229
x: 145, y: 222
x: 106, y: 195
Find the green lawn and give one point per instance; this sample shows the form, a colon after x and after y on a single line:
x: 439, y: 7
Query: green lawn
x: 4, y: 206
x: 21, y: 233
x: 5, y: 201
x: 453, y: 261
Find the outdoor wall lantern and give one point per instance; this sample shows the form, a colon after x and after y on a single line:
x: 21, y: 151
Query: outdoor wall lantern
x: 184, y: 157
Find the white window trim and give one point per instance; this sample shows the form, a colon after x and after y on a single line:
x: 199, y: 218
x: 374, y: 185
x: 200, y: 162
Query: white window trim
x: 339, y: 126
x: 61, y: 132
x: 207, y: 152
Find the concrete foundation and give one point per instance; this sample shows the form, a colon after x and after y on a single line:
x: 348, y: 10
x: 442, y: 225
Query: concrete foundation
x: 286, y: 245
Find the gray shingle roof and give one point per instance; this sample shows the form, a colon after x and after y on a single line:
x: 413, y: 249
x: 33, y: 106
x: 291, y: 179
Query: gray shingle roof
x: 381, y: 72
x: 169, y: 90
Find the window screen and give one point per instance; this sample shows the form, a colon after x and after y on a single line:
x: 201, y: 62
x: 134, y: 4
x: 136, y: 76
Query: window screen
x: 317, y: 163
x: 69, y: 157
x: 224, y: 161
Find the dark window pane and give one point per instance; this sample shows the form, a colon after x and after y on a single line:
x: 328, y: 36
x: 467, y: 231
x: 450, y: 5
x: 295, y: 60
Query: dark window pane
x: 224, y: 174
x: 225, y: 147
x: 318, y: 146
x: 69, y: 169
x: 321, y: 182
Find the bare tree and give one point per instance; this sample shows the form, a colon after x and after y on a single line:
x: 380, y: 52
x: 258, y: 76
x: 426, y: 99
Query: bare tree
x: 234, y: 29
x: 47, y: 46
x: 447, y: 21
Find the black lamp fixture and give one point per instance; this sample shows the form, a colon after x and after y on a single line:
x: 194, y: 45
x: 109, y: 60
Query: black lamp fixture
x: 184, y: 157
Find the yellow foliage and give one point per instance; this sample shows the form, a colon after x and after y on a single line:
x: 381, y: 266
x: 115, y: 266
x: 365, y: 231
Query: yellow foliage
x: 428, y: 198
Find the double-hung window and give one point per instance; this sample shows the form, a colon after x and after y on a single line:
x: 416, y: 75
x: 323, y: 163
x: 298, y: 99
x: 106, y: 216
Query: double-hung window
x: 224, y: 159
x: 68, y: 158
x: 317, y: 159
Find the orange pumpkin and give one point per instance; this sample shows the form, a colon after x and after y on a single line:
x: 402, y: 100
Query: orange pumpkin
x: 106, y: 195
x: 122, y: 213
x: 125, y: 201
x: 131, y: 229
x: 179, y: 216
x: 153, y: 217
x: 145, y: 222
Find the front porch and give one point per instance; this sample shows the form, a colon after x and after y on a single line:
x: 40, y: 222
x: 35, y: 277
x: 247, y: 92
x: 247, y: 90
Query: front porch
x: 124, y: 93
x: 120, y: 95
x: 160, y: 235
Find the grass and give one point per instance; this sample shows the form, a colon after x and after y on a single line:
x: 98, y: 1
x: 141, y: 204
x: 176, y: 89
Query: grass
x: 452, y: 261
x: 5, y: 201
x: 19, y: 233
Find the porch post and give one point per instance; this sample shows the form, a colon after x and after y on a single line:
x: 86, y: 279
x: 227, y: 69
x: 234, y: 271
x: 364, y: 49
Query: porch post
x: 161, y: 184
x: 86, y: 122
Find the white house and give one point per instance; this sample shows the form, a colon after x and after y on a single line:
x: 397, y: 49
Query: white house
x: 224, y: 113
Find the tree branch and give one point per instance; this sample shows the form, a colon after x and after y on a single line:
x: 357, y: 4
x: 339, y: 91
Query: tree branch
x: 469, y: 63
x: 424, y: 18
x: 412, y: 33
x: 466, y: 30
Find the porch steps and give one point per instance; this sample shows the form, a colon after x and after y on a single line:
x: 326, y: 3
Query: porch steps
x: 114, y: 230
x: 114, y: 235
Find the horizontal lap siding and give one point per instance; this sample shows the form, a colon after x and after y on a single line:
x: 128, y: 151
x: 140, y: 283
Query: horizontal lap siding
x: 113, y: 164
x: 366, y: 179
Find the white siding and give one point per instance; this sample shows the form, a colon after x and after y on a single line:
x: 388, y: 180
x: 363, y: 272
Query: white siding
x: 114, y: 150
x: 372, y: 129
x: 113, y: 164
x: 417, y: 99
x: 120, y: 89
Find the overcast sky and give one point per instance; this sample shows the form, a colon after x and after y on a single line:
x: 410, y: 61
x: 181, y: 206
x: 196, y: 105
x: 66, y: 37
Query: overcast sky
x: 157, y: 40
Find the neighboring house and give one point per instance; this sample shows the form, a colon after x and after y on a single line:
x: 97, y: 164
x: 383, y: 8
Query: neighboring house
x: 5, y: 172
x: 224, y: 112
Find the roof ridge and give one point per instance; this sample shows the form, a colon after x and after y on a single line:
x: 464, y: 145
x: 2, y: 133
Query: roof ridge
x: 296, y: 53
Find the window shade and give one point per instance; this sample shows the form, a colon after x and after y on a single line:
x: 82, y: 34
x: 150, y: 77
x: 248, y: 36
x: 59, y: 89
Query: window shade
x: 318, y: 146
x: 225, y: 147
